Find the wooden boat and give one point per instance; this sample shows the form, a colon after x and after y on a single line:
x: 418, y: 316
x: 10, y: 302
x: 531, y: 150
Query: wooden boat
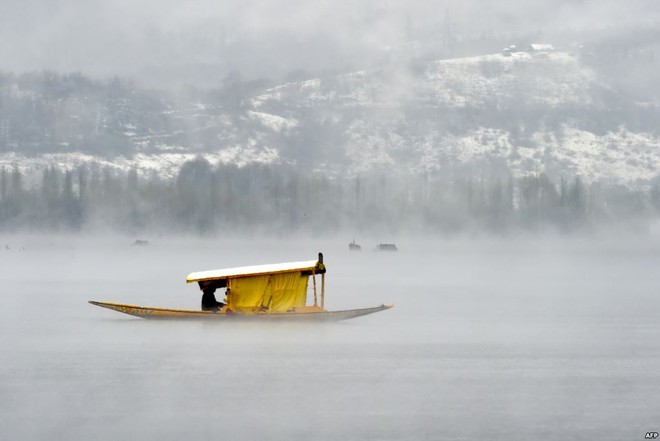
x: 261, y: 292
x: 386, y: 247
x: 354, y: 246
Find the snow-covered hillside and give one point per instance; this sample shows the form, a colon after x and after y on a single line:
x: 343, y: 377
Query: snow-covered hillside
x: 486, y: 115
x: 401, y: 119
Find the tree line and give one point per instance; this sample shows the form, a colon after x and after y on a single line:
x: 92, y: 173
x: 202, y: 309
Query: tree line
x: 279, y: 199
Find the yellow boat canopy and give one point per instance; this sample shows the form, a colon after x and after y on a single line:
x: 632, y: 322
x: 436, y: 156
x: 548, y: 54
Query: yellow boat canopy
x: 277, y: 287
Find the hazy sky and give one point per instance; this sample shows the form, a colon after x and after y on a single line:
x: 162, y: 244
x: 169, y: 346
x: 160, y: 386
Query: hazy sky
x: 263, y: 37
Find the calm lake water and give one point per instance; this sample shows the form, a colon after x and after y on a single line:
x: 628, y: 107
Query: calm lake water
x: 515, y: 340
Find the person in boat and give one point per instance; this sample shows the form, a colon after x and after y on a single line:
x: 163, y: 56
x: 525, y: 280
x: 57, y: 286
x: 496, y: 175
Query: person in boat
x: 209, y: 302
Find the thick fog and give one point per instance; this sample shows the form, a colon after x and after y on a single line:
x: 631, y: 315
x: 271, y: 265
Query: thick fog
x: 173, y: 41
x: 504, y: 339
x: 521, y: 187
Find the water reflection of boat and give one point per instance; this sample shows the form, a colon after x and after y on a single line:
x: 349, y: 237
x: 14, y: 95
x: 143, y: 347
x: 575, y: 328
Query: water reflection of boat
x: 262, y: 292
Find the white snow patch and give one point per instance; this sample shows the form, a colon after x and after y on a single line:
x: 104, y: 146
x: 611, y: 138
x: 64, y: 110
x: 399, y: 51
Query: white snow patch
x: 274, y: 122
x: 557, y: 79
x: 632, y: 159
x: 622, y: 157
x: 367, y: 151
x: 165, y: 165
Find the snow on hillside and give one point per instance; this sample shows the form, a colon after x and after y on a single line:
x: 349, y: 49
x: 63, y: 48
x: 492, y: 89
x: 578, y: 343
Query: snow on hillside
x: 164, y: 165
x: 397, y: 119
x: 276, y: 123
x: 555, y: 77
x: 381, y: 139
x: 622, y: 157
x: 630, y: 158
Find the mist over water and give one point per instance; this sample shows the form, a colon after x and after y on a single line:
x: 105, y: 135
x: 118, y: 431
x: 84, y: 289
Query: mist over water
x: 471, y: 129
x: 503, y: 340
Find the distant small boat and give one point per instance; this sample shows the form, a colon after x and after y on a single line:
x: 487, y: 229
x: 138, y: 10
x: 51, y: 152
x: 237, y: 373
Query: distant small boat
x: 141, y: 243
x: 386, y: 247
x: 354, y: 247
x: 261, y: 292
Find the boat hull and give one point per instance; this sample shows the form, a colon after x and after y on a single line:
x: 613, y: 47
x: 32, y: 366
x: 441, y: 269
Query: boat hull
x: 152, y: 312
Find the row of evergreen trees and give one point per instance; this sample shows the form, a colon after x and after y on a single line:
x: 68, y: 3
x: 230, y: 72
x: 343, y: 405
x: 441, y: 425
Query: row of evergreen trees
x: 207, y: 199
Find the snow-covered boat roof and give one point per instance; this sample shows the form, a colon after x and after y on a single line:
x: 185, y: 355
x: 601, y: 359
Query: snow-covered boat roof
x: 256, y: 270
